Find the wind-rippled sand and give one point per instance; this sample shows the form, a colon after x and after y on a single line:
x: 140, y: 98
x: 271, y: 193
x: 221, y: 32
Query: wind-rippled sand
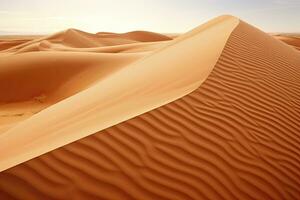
x: 211, y: 114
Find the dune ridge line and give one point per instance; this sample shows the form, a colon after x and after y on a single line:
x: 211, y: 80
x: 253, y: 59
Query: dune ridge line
x: 235, y: 137
x: 131, y: 91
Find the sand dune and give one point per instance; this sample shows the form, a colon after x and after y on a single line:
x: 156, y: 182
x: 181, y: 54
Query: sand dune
x: 45, y: 78
x: 55, y: 74
x: 290, y: 40
x: 131, y: 91
x: 48, y: 69
x: 42, y: 79
x: 132, y: 47
x: 73, y: 38
x: 220, y: 121
x: 8, y: 43
x: 139, y: 36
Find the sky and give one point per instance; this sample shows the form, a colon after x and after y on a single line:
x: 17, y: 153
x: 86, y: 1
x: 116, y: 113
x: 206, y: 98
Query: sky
x: 164, y: 16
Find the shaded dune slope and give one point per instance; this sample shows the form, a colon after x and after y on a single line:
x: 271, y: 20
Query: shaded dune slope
x: 45, y: 70
x: 290, y: 40
x: 55, y: 75
x: 9, y: 43
x: 139, y: 36
x: 121, y: 95
x: 42, y: 79
x: 80, y: 39
x: 123, y: 48
x: 235, y: 137
x: 73, y: 38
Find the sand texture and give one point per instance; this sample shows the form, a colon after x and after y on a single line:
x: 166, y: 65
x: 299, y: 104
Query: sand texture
x: 151, y: 82
x: 193, y: 119
x: 291, y: 40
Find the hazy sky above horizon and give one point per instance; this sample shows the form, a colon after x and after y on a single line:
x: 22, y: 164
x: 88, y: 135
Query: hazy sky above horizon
x: 48, y: 16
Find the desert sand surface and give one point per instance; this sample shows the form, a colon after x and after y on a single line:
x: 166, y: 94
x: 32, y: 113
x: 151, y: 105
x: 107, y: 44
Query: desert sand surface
x: 8, y: 41
x: 292, y: 40
x: 117, y: 97
x: 202, y: 116
x: 37, y: 72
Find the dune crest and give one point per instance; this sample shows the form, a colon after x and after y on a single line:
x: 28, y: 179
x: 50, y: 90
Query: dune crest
x: 290, y: 40
x: 235, y: 137
x: 140, y: 36
x: 73, y: 38
x: 47, y: 69
x: 129, y: 92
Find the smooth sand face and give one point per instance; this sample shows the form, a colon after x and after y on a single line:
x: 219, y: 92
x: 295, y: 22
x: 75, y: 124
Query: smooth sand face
x: 293, y: 41
x: 37, y: 72
x: 167, y: 74
x: 235, y: 137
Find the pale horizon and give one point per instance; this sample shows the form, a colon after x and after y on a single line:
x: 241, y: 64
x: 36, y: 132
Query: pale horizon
x: 36, y: 17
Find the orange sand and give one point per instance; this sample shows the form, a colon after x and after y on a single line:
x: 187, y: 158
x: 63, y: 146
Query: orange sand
x: 131, y: 91
x: 290, y: 40
x: 220, y: 121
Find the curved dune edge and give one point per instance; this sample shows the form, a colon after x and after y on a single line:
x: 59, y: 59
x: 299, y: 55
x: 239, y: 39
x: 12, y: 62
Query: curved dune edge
x: 73, y: 38
x: 162, y: 77
x: 42, y: 79
x: 140, y: 36
x: 235, y: 137
x: 290, y: 40
x: 54, y: 74
x: 45, y: 70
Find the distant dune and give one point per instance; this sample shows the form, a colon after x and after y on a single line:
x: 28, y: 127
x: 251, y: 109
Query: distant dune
x: 211, y: 114
x: 290, y: 40
x: 139, y: 36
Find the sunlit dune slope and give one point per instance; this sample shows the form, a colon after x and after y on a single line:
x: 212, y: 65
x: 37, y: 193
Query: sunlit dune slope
x: 220, y: 121
x: 9, y: 43
x: 32, y: 81
x: 290, y: 40
x: 36, y: 72
x: 140, y: 36
x: 73, y: 38
x: 55, y: 75
x: 152, y: 81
